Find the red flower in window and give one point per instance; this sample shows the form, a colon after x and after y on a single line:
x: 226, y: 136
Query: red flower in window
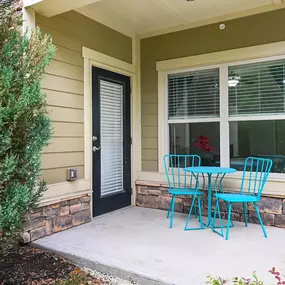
x: 203, y: 143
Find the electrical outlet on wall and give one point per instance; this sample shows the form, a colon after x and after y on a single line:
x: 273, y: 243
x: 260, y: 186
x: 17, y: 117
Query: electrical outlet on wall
x: 71, y: 174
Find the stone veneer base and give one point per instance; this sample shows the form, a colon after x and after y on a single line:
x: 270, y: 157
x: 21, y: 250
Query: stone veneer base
x: 153, y: 195
x: 54, y: 218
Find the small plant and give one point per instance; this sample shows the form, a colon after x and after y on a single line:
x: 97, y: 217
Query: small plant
x: 79, y: 277
x: 75, y: 278
x: 277, y: 276
x: 235, y: 281
x: 216, y: 281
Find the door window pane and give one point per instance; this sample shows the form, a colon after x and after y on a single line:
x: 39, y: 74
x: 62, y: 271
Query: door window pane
x: 111, y: 130
x: 196, y: 138
x: 260, y: 139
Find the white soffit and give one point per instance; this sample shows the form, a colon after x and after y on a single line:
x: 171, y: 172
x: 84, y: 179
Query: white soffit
x: 152, y: 17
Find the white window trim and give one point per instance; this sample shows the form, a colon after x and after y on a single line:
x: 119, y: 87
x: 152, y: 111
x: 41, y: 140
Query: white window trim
x: 94, y: 58
x: 221, y: 60
x: 224, y: 118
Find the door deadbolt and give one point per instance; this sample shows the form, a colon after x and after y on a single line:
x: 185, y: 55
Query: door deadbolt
x: 94, y: 138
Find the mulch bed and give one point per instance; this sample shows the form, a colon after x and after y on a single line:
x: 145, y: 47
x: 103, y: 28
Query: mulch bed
x: 32, y: 266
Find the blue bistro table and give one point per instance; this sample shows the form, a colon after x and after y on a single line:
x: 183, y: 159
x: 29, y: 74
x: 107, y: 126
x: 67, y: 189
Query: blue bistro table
x: 210, y: 170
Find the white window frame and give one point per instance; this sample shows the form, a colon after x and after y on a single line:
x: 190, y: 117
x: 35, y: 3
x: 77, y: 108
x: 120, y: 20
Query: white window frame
x: 221, y: 60
x: 198, y: 119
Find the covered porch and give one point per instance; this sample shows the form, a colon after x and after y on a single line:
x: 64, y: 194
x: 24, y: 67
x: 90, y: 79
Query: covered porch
x: 158, y: 45
x: 136, y: 243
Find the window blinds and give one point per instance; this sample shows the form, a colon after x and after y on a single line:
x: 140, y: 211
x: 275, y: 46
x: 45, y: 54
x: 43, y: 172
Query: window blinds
x: 193, y: 94
x: 259, y: 88
x: 111, y: 115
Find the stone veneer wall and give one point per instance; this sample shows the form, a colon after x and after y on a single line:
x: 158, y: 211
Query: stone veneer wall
x: 57, y: 217
x: 153, y: 195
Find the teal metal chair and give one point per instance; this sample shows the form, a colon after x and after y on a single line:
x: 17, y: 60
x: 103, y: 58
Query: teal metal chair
x: 255, y: 174
x: 181, y: 182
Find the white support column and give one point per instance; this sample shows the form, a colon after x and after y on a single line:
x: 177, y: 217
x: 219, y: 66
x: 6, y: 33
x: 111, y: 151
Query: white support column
x: 224, y: 115
x: 163, y: 147
x: 29, y: 20
x: 136, y: 115
x: 136, y: 104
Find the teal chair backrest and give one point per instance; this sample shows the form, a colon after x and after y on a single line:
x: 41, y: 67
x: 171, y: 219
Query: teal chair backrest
x: 177, y: 177
x: 255, y: 174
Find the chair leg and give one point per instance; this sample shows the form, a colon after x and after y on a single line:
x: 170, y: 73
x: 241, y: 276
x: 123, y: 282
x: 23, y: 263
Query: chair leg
x: 195, y: 211
x: 227, y: 204
x: 215, y: 214
x: 229, y: 221
x: 200, y: 212
x: 169, y: 209
x: 244, y: 214
x: 172, y: 210
x: 260, y: 220
x: 190, y: 212
x: 213, y: 223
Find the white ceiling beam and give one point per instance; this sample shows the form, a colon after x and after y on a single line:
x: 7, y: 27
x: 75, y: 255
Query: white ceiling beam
x: 51, y: 8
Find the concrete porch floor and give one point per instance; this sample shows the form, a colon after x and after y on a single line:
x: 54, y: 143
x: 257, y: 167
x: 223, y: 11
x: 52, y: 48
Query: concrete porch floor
x: 139, y: 241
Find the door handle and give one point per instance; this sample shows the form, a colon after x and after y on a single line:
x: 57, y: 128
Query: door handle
x: 95, y: 148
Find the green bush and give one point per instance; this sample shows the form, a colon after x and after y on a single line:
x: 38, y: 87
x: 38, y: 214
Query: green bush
x: 25, y: 127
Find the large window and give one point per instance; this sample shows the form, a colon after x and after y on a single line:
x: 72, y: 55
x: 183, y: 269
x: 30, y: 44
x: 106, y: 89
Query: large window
x: 193, y: 114
x: 257, y: 89
x: 240, y: 106
x: 260, y: 139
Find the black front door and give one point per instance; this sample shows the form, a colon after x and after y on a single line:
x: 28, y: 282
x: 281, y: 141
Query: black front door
x: 111, y: 141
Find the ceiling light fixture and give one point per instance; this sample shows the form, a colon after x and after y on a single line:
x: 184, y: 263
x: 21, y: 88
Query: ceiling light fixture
x: 233, y: 81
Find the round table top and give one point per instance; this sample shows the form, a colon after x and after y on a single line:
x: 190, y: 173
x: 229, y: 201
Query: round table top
x: 210, y: 169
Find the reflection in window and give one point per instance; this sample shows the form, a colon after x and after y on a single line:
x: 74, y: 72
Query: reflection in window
x: 257, y: 88
x: 260, y: 139
x: 196, y: 138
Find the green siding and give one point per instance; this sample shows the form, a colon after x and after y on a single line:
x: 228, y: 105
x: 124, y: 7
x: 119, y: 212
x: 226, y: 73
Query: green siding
x: 89, y: 33
x: 243, y: 32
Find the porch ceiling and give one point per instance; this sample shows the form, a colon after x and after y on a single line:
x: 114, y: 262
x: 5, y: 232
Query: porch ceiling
x: 148, y: 17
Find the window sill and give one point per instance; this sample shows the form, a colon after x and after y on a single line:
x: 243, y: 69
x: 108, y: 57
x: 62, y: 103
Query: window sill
x: 273, y: 177
x: 275, y: 186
